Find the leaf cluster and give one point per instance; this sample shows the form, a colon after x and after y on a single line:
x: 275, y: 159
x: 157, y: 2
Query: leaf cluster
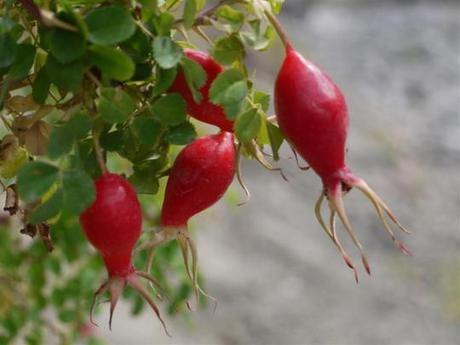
x: 84, y: 80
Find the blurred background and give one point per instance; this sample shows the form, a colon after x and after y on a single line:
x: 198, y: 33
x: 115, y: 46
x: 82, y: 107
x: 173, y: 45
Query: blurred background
x: 277, y: 277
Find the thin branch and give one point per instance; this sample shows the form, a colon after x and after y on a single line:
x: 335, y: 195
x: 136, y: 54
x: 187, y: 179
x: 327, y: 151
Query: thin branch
x: 201, y: 17
x: 93, y: 78
x: 33, y: 9
x: 46, y: 17
x: 99, y: 155
x: 279, y: 29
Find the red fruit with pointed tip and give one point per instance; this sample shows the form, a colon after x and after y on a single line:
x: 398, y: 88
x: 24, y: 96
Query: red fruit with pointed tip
x: 204, y: 111
x: 201, y: 174
x: 312, y: 113
x: 113, y: 225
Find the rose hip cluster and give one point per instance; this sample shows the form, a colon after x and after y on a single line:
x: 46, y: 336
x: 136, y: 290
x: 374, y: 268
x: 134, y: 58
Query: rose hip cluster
x: 312, y: 114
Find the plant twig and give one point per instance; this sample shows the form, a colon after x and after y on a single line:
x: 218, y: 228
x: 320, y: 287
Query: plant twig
x: 93, y: 78
x: 99, y: 155
x: 46, y: 17
x: 33, y: 9
x: 200, y: 18
x: 279, y: 29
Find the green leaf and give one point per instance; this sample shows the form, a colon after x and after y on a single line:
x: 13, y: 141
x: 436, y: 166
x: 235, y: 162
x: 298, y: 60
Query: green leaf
x: 74, y: 16
x: 256, y: 38
x: 63, y: 137
x: 144, y: 181
x: 182, y: 135
x: 6, y: 24
x: 220, y: 86
x: 142, y: 71
x: 195, y: 76
x: 235, y: 93
x: 263, y: 99
x: 276, y: 139
x: 138, y: 47
x: 109, y: 25
x: 35, y: 178
x: 60, y: 142
x: 115, y: 105
x: 112, y: 62
x: 230, y: 15
x: 67, y: 76
x: 48, y: 209
x: 165, y: 78
x: 87, y: 158
x: 276, y: 5
x: 233, y: 109
x: 148, y: 130
x: 25, y: 56
x: 133, y: 150
x: 78, y: 191
x: 80, y: 124
x: 262, y: 137
x: 66, y: 46
x: 229, y: 89
x: 163, y: 23
x: 247, y: 125
x: 166, y: 52
x: 41, y: 87
x: 190, y: 11
x: 112, y: 141
x: 8, y: 49
x: 170, y: 109
x: 228, y: 49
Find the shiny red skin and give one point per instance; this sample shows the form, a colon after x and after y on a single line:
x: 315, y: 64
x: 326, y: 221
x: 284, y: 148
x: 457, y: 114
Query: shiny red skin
x: 205, y: 111
x: 200, y: 176
x: 113, y: 223
x: 312, y: 114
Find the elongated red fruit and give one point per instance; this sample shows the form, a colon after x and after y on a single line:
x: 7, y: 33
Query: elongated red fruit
x: 113, y: 225
x: 201, y: 174
x: 312, y: 113
x: 204, y: 111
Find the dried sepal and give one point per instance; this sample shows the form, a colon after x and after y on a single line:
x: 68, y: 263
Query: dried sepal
x: 114, y: 287
x: 239, y: 177
x: 336, y: 205
x: 42, y: 230
x: 11, y: 200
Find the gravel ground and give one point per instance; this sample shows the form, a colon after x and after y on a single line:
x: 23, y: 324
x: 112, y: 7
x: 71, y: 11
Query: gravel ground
x: 277, y: 277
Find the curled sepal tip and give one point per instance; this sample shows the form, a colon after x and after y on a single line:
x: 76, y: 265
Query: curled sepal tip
x: 334, y: 193
x: 115, y: 285
x: 134, y: 281
x: 297, y: 161
x: 337, y: 242
x: 189, y: 254
x: 187, y: 245
x: 258, y: 155
x: 381, y: 209
x: 336, y: 205
x: 239, y: 176
x: 330, y: 230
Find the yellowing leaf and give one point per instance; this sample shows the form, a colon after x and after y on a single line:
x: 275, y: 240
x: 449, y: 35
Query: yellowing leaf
x: 21, y: 104
x: 36, y: 138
